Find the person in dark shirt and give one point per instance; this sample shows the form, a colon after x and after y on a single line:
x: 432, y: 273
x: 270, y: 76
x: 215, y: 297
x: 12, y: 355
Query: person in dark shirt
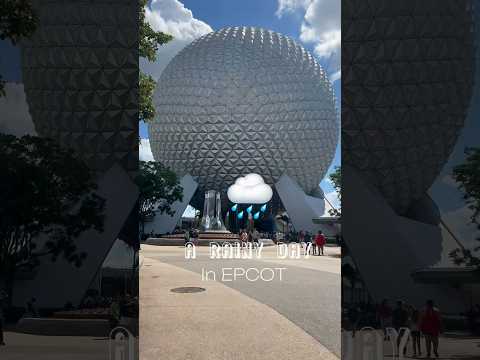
x: 415, y: 332
x: 384, y: 316
x: 31, y: 308
x: 400, y: 318
x: 308, y: 241
x: 186, y: 236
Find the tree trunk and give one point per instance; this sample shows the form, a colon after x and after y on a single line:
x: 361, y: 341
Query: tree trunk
x: 9, y: 284
x: 134, y: 271
x: 353, y: 291
x: 142, y: 229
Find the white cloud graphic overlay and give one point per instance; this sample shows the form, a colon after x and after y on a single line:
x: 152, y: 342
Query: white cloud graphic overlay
x: 250, y: 189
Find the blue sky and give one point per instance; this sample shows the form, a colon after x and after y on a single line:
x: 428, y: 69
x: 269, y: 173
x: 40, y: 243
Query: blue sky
x: 308, y: 21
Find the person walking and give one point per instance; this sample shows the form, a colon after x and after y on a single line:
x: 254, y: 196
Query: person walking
x: 195, y: 236
x: 400, y: 318
x: 384, y: 315
x: 415, y: 332
x: 320, y: 241
x: 115, y: 312
x: 255, y: 236
x: 301, y: 237
x: 430, y: 326
x: 243, y: 236
x: 31, y: 308
x: 308, y: 241
x: 314, y: 245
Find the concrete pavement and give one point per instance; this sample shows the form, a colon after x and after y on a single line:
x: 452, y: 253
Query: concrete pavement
x: 217, y: 324
x: 450, y: 348
x: 308, y: 297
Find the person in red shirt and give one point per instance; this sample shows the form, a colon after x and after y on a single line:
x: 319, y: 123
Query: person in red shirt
x: 431, y: 326
x: 320, y: 241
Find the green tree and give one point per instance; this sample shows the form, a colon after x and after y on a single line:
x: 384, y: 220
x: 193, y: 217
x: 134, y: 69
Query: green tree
x: 467, y: 175
x: 149, y: 42
x: 44, y: 190
x: 159, y: 188
x: 17, y: 20
x: 336, y: 179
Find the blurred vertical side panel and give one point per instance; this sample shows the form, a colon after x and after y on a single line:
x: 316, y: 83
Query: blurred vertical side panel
x: 410, y: 152
x: 69, y: 157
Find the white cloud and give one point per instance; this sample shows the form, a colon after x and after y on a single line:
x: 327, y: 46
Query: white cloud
x: 144, y: 151
x: 320, y: 27
x: 171, y: 17
x: 250, y: 189
x: 15, y: 117
x: 290, y: 6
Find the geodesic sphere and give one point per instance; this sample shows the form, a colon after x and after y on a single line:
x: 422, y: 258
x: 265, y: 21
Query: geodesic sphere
x: 80, y: 72
x: 407, y: 69
x: 244, y: 100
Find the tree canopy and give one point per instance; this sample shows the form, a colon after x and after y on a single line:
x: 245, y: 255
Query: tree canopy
x: 467, y: 175
x: 336, y: 179
x: 17, y: 19
x: 44, y: 189
x: 149, y: 42
x: 159, y: 188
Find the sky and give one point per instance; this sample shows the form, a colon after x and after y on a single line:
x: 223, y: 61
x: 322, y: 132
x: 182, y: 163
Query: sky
x: 313, y: 23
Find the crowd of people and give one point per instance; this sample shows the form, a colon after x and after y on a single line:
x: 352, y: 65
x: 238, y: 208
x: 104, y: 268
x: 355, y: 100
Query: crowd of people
x: 246, y: 236
x: 316, y: 243
x: 425, y: 322
x: 190, y: 236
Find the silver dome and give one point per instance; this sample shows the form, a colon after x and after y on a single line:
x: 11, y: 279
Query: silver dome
x: 245, y: 100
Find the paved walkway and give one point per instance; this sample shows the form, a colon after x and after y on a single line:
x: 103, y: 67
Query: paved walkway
x: 218, y: 324
x: 450, y: 348
x: 23, y: 346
